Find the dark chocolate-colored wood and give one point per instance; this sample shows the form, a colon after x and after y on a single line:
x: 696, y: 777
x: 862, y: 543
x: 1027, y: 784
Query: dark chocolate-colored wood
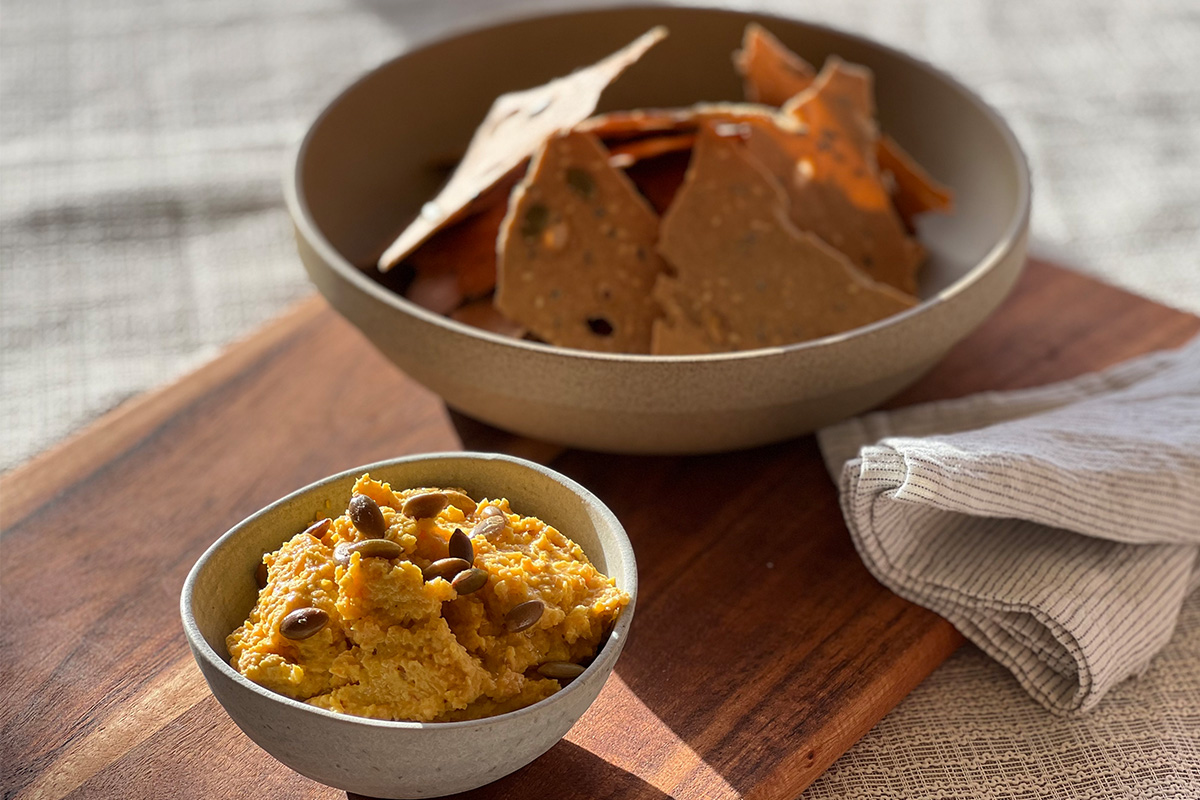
x: 761, y: 650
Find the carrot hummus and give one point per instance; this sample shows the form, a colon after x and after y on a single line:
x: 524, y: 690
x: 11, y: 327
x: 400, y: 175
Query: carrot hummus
x: 424, y: 605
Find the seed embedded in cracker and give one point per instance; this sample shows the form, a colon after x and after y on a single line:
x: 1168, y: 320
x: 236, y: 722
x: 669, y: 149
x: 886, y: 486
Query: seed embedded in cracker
x: 517, y: 124
x: 746, y: 277
x: 576, y: 252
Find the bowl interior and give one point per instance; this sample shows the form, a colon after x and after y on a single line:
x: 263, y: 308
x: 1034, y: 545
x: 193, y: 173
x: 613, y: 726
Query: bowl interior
x: 222, y: 590
x: 370, y: 160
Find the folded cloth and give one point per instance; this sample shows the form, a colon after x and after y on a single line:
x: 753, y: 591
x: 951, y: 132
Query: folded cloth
x: 1058, y: 528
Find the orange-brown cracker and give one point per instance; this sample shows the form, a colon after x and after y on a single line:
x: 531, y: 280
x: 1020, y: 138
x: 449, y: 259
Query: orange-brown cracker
x: 576, y: 251
x: 915, y: 190
x: 771, y: 73
x: 745, y: 276
x: 466, y: 249
x: 834, y: 184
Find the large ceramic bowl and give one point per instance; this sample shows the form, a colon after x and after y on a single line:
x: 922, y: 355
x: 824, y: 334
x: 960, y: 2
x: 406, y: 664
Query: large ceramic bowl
x: 364, y: 169
x: 400, y: 759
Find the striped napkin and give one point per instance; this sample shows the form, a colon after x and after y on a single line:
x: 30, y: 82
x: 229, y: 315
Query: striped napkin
x: 1058, y: 528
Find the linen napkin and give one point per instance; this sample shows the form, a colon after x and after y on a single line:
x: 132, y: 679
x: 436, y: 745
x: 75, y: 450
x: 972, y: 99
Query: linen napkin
x: 1058, y: 528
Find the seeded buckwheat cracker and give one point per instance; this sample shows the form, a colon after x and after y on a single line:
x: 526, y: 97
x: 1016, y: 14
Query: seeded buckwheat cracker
x: 746, y: 277
x: 576, y: 253
x: 773, y: 74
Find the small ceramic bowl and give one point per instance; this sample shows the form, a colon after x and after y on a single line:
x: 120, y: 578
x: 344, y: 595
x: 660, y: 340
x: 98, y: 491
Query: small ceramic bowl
x: 400, y: 759
x: 368, y: 163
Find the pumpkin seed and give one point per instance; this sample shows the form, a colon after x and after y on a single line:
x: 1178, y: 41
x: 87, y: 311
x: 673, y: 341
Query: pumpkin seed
x: 319, y: 529
x: 375, y: 548
x: 461, y: 501
x: 600, y: 326
x: 425, y: 505
x: 489, y: 525
x: 560, y: 670
x: 303, y: 623
x: 341, y: 552
x: 535, y: 221
x: 260, y: 575
x: 366, y: 516
x: 445, y: 568
x: 491, y: 511
x: 581, y: 182
x: 461, y: 547
x: 524, y: 616
x: 470, y: 580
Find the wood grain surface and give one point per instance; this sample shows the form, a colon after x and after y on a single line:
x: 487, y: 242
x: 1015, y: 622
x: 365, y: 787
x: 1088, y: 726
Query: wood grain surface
x: 761, y: 649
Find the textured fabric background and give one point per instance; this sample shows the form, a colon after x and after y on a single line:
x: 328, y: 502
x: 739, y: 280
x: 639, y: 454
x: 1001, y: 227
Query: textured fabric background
x: 142, y: 229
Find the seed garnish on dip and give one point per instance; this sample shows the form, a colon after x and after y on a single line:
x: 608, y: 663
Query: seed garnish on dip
x: 366, y: 516
x: 392, y: 610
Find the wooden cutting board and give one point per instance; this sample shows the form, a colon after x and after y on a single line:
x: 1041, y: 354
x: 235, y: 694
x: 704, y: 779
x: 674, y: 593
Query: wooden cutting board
x: 760, y: 652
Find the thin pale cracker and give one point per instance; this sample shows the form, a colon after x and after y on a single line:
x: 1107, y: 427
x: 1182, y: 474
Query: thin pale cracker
x: 483, y: 314
x: 771, y: 73
x: 576, y: 251
x: 833, y: 182
x: 745, y: 276
x: 516, y: 125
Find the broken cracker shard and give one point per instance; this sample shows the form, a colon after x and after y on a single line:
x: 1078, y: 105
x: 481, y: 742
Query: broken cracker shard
x: 806, y: 280
x: 773, y: 74
x: 592, y: 283
x: 517, y: 124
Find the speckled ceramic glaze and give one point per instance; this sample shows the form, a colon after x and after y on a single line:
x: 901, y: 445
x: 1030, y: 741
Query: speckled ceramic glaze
x: 364, y: 169
x: 400, y: 759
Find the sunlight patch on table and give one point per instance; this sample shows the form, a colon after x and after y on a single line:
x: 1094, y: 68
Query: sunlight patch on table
x: 625, y: 732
